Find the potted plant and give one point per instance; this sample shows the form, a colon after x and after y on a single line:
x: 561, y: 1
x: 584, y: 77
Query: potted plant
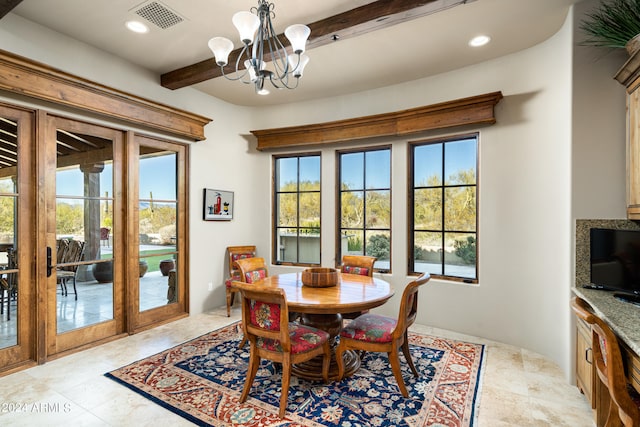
x: 614, y: 24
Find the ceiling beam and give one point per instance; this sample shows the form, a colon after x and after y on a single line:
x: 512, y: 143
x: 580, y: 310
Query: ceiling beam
x: 7, y: 6
x: 371, y: 17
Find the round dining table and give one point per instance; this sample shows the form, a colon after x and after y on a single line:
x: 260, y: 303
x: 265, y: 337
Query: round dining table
x: 322, y: 308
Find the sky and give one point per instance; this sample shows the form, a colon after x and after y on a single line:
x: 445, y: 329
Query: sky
x: 460, y: 155
x: 155, y: 177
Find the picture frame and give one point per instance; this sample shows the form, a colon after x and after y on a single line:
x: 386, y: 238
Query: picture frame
x: 217, y: 205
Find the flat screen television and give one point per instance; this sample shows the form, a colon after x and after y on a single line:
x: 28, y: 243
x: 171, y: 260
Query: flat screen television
x: 615, y: 261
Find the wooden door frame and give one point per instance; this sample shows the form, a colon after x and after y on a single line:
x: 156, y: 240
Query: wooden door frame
x: 23, y: 354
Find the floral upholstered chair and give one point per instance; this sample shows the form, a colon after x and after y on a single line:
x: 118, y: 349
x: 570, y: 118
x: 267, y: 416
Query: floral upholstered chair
x: 265, y: 321
x: 235, y: 253
x: 361, y: 265
x: 374, y: 332
x: 250, y: 270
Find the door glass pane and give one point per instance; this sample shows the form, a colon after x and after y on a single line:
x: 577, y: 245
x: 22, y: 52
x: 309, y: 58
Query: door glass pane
x: 84, y: 226
x: 8, y: 233
x: 158, y: 208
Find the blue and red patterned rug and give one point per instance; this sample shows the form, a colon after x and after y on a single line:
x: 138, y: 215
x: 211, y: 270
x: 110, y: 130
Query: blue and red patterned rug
x: 201, y: 380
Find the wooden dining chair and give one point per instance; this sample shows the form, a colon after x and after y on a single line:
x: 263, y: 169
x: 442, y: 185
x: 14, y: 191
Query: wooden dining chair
x: 377, y: 333
x: 361, y: 265
x: 250, y: 271
x: 234, y: 254
x: 624, y: 404
x: 265, y: 321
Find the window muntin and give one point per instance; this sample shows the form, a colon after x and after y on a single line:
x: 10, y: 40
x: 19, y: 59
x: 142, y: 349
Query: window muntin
x: 364, y: 205
x: 297, y: 209
x: 443, y: 207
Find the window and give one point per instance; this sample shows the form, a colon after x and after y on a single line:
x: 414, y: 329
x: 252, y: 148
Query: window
x: 297, y: 209
x: 443, y: 208
x: 364, y: 205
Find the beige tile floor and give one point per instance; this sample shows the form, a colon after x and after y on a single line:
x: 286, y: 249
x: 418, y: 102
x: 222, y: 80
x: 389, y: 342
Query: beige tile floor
x: 520, y: 388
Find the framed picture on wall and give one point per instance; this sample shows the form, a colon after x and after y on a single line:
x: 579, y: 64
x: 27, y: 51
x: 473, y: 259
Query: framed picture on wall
x: 218, y: 205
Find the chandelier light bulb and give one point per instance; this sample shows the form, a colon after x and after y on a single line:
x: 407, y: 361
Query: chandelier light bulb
x: 297, y: 35
x: 221, y: 48
x: 298, y: 64
x: 247, y: 24
x: 260, y: 89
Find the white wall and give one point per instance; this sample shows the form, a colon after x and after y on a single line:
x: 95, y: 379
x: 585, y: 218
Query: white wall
x: 525, y: 195
x: 598, y: 169
x: 526, y: 222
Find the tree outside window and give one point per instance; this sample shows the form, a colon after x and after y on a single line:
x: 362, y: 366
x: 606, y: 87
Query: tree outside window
x: 297, y: 209
x: 443, y: 204
x: 364, y: 205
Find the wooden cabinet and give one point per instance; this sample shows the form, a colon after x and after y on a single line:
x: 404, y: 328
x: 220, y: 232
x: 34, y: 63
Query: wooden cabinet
x: 632, y: 365
x: 584, y: 357
x: 633, y: 151
x: 629, y: 76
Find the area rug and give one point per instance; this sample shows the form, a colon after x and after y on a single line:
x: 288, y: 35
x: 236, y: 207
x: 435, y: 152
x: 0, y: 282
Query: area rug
x: 202, y: 379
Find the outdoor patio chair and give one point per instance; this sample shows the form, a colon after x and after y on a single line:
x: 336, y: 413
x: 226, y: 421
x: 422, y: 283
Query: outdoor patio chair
x: 72, y: 255
x: 9, y: 283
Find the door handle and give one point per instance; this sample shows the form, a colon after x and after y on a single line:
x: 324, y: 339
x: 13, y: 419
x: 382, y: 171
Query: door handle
x: 49, y: 266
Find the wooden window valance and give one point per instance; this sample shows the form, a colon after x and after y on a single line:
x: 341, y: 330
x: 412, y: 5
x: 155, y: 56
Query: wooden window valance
x: 466, y: 111
x: 26, y: 77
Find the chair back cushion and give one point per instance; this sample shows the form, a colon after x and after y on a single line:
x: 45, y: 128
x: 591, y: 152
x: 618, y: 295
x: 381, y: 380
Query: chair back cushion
x: 255, y: 275
x: 362, y: 271
x: 265, y: 315
x: 235, y: 257
x: 251, y: 269
x: 358, y: 264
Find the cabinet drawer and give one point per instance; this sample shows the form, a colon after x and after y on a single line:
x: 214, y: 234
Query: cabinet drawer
x: 633, y: 368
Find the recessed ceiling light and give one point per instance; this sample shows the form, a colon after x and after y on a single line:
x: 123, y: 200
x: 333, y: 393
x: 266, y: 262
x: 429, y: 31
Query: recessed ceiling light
x: 479, y: 41
x: 137, y: 27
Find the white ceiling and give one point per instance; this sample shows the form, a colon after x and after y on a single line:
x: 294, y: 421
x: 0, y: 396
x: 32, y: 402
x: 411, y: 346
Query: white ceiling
x: 425, y: 46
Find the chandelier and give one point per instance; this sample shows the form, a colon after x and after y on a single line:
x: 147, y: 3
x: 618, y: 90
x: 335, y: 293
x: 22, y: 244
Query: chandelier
x: 262, y: 45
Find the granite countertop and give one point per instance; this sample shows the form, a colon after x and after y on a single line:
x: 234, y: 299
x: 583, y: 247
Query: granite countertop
x: 623, y: 317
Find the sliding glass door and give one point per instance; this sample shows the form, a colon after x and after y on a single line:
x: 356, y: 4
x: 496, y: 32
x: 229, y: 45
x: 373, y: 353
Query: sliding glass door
x: 93, y: 221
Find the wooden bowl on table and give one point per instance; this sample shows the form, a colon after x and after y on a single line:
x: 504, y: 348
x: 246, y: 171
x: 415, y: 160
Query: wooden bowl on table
x: 320, y: 277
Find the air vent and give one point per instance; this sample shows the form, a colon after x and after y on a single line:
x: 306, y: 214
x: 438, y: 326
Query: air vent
x: 158, y: 14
